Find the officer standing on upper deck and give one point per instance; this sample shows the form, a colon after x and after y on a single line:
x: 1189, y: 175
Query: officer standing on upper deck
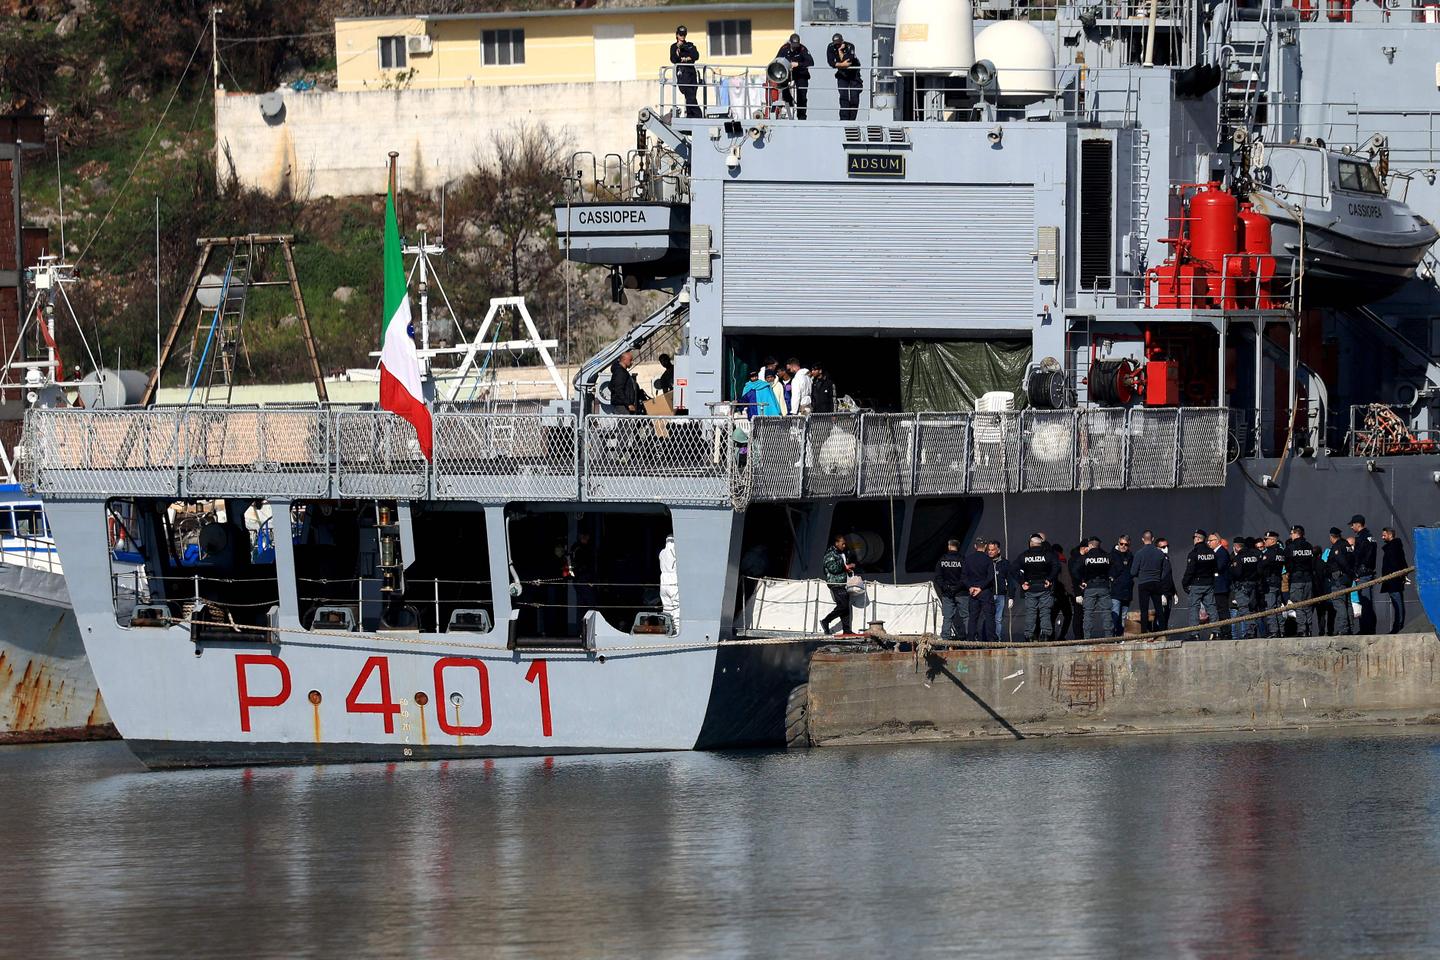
x: 841, y: 56
x: 684, y: 55
x: 798, y: 56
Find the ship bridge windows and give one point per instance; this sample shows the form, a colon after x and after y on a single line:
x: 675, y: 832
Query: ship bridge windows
x: 1358, y: 177
x: 565, y: 564
x: 206, y: 562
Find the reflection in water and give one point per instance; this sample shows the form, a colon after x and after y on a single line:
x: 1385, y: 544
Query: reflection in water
x: 1221, y: 846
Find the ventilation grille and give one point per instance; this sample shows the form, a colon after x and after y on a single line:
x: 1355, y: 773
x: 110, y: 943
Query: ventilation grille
x: 877, y: 134
x: 1096, y: 213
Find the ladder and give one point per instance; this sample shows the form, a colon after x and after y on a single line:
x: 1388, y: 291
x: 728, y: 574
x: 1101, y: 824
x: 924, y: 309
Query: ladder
x: 1140, y: 203
x: 224, y: 338
x: 1245, y: 78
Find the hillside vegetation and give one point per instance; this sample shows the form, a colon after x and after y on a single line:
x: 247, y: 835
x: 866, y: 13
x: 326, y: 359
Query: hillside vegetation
x: 127, y: 90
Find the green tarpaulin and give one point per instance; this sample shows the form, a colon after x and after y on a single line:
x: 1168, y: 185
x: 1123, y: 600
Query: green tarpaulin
x: 952, y: 374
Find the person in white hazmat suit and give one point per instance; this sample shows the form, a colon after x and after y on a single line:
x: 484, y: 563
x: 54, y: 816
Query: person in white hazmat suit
x: 669, y: 581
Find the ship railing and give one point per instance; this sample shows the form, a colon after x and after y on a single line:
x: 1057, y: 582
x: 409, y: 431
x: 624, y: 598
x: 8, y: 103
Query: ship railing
x: 36, y: 553
x: 745, y: 93
x: 291, y: 453
x: 1031, y: 451
x: 669, y: 459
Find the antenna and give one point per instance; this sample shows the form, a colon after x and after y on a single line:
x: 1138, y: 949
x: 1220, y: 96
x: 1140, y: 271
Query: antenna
x: 60, y: 186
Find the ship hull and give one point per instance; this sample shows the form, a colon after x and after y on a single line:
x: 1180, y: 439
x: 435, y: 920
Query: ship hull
x: 315, y: 696
x: 47, y: 689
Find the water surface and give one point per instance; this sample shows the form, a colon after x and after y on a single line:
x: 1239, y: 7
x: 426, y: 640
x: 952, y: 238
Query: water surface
x: 1296, y: 845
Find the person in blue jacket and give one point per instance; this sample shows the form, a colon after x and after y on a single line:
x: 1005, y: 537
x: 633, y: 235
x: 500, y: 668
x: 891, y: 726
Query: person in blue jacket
x: 759, y: 396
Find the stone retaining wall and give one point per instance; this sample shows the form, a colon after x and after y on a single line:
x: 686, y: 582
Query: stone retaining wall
x: 1123, y: 688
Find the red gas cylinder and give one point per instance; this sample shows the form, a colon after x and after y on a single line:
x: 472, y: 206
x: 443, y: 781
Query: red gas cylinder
x: 1254, y: 230
x: 1213, y: 227
x: 1255, y: 240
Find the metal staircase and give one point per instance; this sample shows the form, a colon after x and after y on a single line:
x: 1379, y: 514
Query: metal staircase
x: 1246, y: 75
x: 671, y: 315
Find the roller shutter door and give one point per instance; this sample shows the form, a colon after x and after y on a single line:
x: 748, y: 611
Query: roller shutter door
x: 884, y: 255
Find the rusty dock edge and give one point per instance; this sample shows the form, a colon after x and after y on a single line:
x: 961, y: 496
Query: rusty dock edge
x: 1139, y: 687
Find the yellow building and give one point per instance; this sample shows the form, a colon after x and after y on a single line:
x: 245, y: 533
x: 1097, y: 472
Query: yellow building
x: 550, y: 46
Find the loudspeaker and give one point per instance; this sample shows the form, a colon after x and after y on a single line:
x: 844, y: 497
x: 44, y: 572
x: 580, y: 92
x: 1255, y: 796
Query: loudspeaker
x: 778, y: 71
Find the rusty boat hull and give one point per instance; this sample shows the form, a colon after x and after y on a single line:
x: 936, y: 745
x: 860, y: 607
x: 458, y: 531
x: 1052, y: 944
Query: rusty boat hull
x: 47, y: 690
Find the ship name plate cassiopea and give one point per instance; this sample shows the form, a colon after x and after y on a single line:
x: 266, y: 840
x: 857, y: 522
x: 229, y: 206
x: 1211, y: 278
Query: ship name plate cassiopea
x: 875, y: 165
x: 610, y: 215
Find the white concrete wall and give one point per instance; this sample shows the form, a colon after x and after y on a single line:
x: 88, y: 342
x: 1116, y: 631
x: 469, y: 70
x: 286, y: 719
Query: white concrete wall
x: 337, y: 143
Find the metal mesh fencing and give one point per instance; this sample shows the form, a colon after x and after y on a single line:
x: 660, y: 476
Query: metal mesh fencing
x: 942, y: 451
x: 253, y: 452
x: 887, y: 468
x: 378, y: 455
x: 1101, y: 442
x: 498, y: 457
x: 832, y: 455
x: 673, y: 459
x: 994, y: 452
x: 1048, y: 458
x: 1152, y: 440
x: 103, y: 452
x: 1202, y: 447
x: 775, y: 457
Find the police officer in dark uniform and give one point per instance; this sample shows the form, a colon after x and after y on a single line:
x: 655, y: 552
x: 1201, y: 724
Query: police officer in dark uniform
x: 1272, y: 572
x: 954, y: 598
x: 1339, y: 574
x: 1245, y: 582
x: 1300, y: 569
x: 684, y: 55
x: 841, y: 56
x: 1364, y: 560
x: 1202, y: 567
x: 797, y: 91
x: 1095, y: 570
x: 1035, y: 577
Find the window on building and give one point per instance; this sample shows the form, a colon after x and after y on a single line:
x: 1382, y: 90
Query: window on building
x: 392, y: 53
x: 729, y: 38
x: 502, y: 48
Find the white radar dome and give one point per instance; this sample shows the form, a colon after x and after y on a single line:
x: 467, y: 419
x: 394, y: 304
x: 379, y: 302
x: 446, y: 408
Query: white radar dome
x: 1024, y: 60
x: 934, y: 36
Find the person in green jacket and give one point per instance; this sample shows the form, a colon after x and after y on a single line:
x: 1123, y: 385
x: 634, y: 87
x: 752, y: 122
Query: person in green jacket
x: 839, y: 565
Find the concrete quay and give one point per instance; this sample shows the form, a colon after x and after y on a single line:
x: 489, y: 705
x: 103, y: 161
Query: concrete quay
x: 1132, y: 687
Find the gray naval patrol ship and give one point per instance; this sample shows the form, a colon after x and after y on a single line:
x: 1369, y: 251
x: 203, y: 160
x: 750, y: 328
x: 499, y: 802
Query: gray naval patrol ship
x: 1083, y: 268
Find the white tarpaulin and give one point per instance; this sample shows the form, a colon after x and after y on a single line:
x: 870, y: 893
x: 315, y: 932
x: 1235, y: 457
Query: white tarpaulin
x: 796, y: 606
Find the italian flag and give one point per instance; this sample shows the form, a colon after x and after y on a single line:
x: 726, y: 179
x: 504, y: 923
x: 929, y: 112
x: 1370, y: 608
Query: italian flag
x: 399, y: 365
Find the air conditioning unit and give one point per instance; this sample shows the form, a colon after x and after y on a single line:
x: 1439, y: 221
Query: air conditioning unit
x: 419, y: 43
